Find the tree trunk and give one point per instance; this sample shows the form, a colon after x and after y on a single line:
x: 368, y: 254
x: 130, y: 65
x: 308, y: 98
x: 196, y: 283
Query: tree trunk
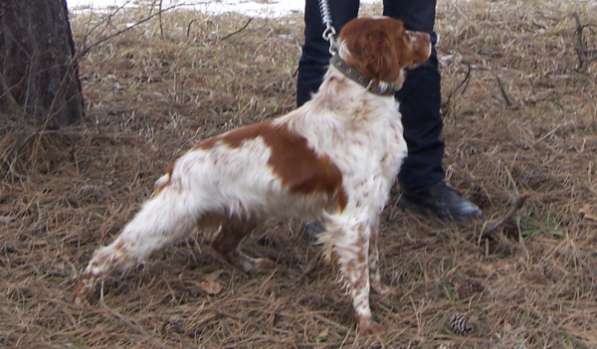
x: 38, y: 72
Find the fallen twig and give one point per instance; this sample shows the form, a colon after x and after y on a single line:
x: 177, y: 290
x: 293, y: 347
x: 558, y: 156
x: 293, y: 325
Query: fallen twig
x: 309, y: 269
x: 239, y: 30
x: 492, y: 227
x: 507, y: 99
x: 584, y: 54
x: 462, y: 85
x: 189, y: 26
x: 132, y: 325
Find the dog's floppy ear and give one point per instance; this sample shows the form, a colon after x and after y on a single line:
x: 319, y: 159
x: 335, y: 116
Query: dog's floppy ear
x: 384, y: 62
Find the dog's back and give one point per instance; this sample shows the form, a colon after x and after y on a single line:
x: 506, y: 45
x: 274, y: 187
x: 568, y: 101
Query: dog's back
x: 334, y: 159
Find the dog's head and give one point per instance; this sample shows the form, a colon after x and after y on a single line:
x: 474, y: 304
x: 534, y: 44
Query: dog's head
x: 380, y: 48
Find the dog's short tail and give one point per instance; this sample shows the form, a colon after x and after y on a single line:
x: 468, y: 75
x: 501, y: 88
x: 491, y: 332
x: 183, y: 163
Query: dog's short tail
x: 161, y: 183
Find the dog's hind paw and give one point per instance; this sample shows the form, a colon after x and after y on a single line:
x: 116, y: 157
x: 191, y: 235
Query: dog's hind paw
x: 85, y: 286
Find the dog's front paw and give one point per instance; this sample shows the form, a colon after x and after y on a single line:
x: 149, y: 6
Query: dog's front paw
x: 369, y: 327
x: 263, y: 264
x: 384, y: 290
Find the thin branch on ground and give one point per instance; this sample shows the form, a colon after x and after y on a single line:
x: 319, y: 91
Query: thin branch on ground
x: 585, y: 55
x: 313, y: 264
x: 503, y: 91
x: 238, y: 31
x: 189, y: 26
x: 132, y: 325
x: 463, y: 84
x: 491, y: 227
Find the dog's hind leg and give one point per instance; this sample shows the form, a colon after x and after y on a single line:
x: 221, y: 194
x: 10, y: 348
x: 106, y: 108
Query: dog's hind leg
x: 227, y: 244
x: 167, y: 216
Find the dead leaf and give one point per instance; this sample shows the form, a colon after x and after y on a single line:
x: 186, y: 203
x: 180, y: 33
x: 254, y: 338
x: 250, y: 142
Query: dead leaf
x: 587, y: 213
x: 210, y: 284
x: 6, y: 219
x: 323, y: 335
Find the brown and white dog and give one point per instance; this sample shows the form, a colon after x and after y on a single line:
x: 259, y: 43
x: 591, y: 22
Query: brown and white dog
x: 334, y: 160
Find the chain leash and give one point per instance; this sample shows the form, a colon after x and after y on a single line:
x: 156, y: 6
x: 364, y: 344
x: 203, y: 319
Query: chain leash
x: 329, y: 33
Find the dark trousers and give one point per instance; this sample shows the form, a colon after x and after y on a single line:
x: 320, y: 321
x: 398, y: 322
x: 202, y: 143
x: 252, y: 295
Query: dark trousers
x: 419, y: 98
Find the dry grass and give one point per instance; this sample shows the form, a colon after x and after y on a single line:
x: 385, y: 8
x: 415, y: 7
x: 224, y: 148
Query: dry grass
x: 525, y: 121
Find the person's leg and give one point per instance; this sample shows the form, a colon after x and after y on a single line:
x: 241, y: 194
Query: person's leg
x: 422, y: 175
x: 420, y: 99
x: 315, y: 56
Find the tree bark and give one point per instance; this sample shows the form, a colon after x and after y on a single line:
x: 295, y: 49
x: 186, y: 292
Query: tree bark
x: 39, y: 73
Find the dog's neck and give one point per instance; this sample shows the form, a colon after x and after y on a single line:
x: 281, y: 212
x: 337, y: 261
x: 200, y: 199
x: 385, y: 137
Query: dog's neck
x: 341, y: 109
x: 382, y: 88
x: 342, y: 94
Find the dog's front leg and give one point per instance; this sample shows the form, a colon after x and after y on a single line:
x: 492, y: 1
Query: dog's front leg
x: 351, y: 246
x: 376, y: 283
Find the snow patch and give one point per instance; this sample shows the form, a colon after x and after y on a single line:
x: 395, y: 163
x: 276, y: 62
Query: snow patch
x: 252, y: 8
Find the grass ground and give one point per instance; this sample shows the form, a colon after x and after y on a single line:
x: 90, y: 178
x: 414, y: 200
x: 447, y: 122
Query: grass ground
x: 520, y: 119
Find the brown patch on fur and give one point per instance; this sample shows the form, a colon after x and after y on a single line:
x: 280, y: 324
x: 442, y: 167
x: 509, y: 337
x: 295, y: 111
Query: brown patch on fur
x: 207, y: 143
x: 341, y: 199
x: 301, y: 170
x: 380, y: 48
x: 235, y: 138
x: 119, y: 246
x: 158, y: 187
x: 361, y: 258
x: 232, y: 232
x: 82, y: 286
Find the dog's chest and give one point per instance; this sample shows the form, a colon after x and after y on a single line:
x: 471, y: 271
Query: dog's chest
x: 371, y: 154
x: 380, y: 146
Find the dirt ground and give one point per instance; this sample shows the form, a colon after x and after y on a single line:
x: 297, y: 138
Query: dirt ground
x: 520, y: 119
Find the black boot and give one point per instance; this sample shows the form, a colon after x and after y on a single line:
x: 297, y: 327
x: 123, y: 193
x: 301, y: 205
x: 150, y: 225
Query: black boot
x: 442, y: 201
x: 312, y: 231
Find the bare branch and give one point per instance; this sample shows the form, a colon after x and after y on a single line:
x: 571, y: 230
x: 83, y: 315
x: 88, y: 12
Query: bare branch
x: 584, y: 54
x: 7, y: 95
x: 88, y: 48
x: 461, y: 85
x: 160, y: 19
x: 491, y: 227
x: 237, y: 31
x: 507, y: 99
x: 189, y: 26
x: 107, y: 19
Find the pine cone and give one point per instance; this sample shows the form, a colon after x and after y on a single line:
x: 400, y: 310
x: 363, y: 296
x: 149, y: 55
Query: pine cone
x: 459, y: 324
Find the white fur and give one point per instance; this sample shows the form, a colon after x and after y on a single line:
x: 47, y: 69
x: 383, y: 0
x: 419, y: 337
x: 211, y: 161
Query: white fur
x: 359, y: 131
